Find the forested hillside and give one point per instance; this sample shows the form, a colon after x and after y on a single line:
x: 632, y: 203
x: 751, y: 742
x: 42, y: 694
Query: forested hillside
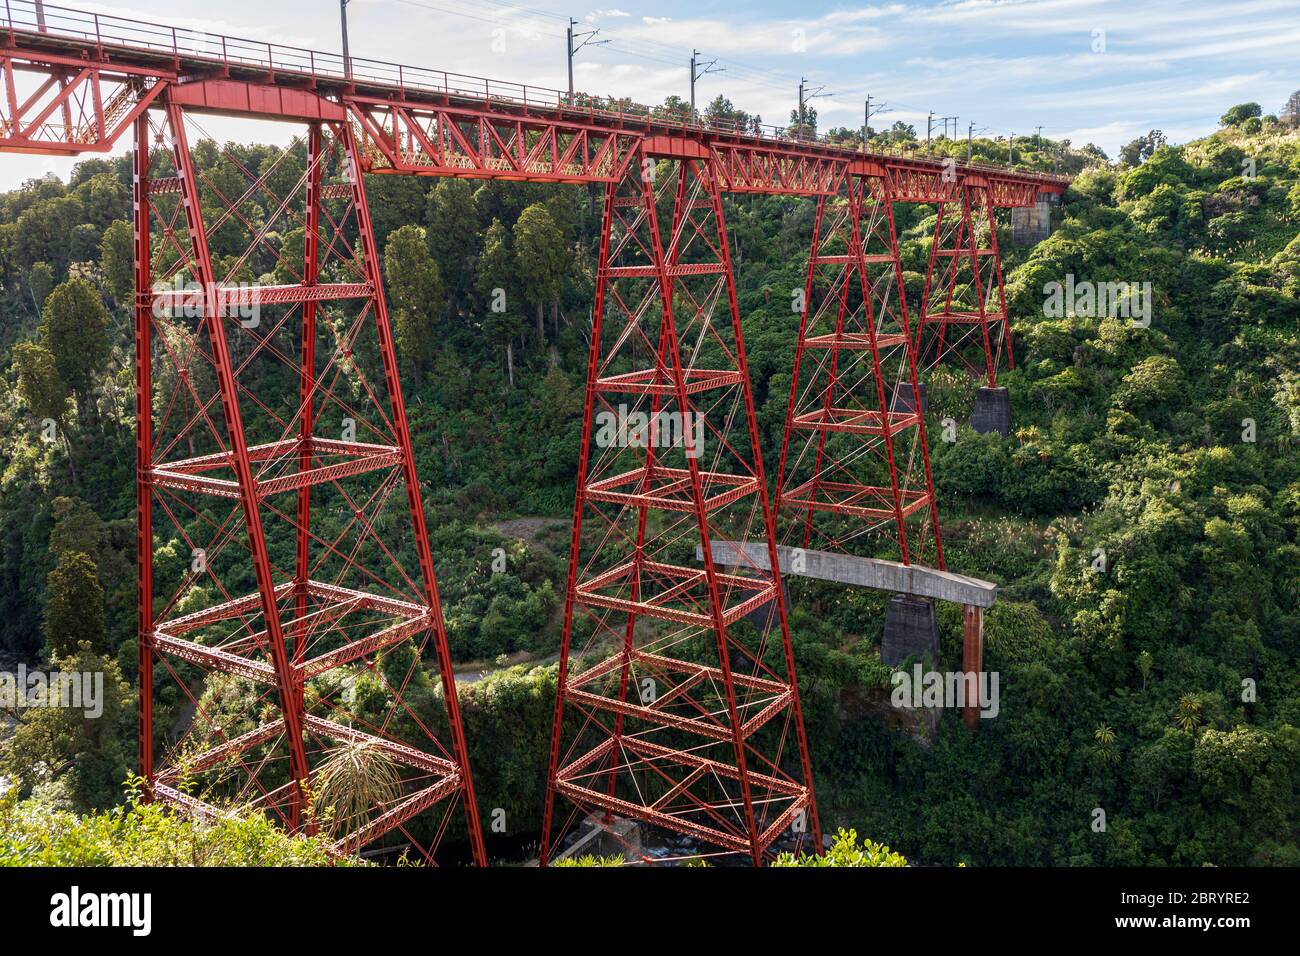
x: 1163, y: 690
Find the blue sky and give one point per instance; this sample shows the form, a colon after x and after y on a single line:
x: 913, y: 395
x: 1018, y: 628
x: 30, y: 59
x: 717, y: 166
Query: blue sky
x: 1099, y: 71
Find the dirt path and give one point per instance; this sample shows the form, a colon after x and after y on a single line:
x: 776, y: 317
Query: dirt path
x: 529, y: 529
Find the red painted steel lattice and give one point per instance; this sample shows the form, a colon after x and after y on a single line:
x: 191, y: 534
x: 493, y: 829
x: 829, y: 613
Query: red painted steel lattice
x: 310, y: 588
x: 964, y: 308
x: 287, y: 593
x: 672, y: 709
x: 854, y: 472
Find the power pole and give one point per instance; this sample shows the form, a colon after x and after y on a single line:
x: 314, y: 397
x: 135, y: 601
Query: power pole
x: 970, y: 136
x: 803, y: 98
x: 866, y: 122
x: 697, y: 73
x: 570, y: 49
x: 347, y: 60
x: 929, y: 129
x: 1011, y: 149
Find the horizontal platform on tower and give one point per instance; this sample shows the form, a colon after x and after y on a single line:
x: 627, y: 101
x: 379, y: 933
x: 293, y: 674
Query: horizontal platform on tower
x: 857, y: 421
x: 671, y: 489
x: 670, y: 592
x: 766, y: 699
x: 832, y: 260
x: 673, y: 271
x: 849, y: 498
x: 226, y: 299
x: 874, y: 573
x: 855, y: 341
x: 661, y: 381
x: 439, y: 778
x: 247, y: 655
x: 962, y: 318
x: 585, y: 782
x: 349, y: 459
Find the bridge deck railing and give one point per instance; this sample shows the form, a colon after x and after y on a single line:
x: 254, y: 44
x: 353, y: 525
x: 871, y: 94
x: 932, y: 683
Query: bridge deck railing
x: 179, y: 44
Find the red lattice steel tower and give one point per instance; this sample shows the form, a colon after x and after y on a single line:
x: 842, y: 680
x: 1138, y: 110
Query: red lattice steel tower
x: 672, y: 710
x: 964, y: 306
x: 287, y: 592
x: 854, y: 472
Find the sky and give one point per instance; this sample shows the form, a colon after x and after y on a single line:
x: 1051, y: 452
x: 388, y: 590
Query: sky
x: 1099, y: 71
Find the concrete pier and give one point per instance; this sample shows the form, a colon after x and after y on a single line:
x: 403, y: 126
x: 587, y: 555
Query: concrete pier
x: 910, y: 630
x: 992, y: 411
x: 904, y: 401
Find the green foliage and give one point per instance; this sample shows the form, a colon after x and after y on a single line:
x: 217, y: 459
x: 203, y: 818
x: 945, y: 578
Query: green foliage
x: 540, y: 256
x: 74, y: 327
x: 117, y: 260
x: 39, y: 383
x: 74, y: 611
x: 417, y: 292
x: 846, y: 851
x: 1240, y: 113
x: 148, y: 834
x: 71, y: 757
x: 1122, y: 683
x: 589, y: 860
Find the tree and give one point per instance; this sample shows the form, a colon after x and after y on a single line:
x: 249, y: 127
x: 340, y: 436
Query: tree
x: 721, y: 113
x: 805, y: 126
x: 40, y: 279
x: 901, y: 131
x: 1141, y: 149
x: 77, y: 528
x: 80, y: 753
x: 74, y: 609
x: 1240, y: 113
x: 541, y: 256
x: 417, y: 293
x: 452, y: 223
x: 39, y: 382
x: 1093, y: 151
x: 674, y: 108
x: 501, y: 329
x: 496, y: 271
x: 117, y: 259
x: 355, y: 778
x: 1291, y: 111
x: 74, y: 327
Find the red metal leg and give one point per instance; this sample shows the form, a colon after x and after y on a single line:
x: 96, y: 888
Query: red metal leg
x: 143, y: 451
x: 575, y: 540
x: 223, y: 367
